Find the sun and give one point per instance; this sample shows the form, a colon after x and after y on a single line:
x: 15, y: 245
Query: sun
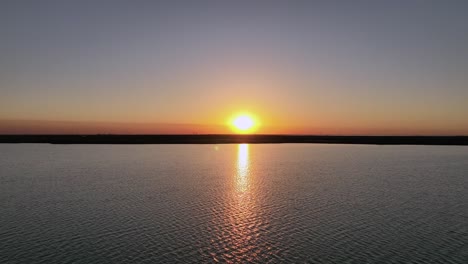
x: 243, y: 123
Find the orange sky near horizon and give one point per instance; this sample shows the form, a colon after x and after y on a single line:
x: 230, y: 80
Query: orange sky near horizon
x: 67, y: 127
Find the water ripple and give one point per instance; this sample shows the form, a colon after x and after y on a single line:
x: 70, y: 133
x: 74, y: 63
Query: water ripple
x: 234, y: 204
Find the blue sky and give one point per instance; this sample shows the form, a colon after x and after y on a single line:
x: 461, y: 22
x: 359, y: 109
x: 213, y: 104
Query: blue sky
x: 328, y: 66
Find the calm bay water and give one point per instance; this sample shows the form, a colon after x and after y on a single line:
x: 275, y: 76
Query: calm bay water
x: 289, y: 203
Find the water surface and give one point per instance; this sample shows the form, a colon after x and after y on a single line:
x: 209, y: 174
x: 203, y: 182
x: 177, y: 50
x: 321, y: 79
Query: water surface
x: 285, y: 203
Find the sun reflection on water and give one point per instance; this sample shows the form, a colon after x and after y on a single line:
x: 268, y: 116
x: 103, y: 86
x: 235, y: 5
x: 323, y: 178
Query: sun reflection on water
x: 243, y: 220
x: 242, y: 180
x: 238, y: 236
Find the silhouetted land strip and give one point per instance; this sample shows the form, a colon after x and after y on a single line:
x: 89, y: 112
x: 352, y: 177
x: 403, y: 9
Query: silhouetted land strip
x: 226, y: 139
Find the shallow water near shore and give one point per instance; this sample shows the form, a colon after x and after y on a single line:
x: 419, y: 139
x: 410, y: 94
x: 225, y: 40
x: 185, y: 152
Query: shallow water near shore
x: 233, y: 203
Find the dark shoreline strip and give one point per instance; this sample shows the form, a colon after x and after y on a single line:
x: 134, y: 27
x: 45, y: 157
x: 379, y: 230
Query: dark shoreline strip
x: 234, y: 139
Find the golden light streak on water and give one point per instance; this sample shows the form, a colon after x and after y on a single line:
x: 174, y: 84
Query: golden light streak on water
x: 242, y: 180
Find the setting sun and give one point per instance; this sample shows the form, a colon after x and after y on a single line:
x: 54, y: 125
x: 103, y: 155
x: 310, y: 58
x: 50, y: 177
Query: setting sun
x: 243, y: 123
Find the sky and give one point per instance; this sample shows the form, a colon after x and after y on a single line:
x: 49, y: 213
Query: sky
x: 300, y: 67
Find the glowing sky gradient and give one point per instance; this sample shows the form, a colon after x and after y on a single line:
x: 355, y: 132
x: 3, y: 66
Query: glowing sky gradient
x: 314, y: 67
